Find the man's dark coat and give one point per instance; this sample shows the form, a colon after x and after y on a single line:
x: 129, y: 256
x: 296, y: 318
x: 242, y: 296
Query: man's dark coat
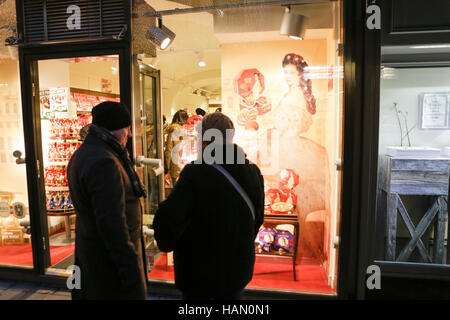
x: 109, y: 244
x: 208, y: 225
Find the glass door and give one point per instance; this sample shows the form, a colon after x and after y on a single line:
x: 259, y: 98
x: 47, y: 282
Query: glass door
x: 148, y: 148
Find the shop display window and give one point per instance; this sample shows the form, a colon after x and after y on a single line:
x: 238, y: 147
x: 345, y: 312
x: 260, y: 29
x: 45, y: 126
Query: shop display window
x: 66, y: 101
x: 285, y: 99
x: 15, y: 229
x: 413, y: 167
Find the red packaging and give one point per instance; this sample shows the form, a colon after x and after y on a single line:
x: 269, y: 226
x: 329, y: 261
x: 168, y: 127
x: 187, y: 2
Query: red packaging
x: 273, y: 195
x: 282, y: 208
x: 289, y: 179
x: 288, y: 196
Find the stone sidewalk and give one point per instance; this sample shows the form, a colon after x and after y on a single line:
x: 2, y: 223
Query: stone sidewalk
x: 13, y: 290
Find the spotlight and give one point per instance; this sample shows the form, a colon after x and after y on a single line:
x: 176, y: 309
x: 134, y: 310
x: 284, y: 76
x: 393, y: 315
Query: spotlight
x: 160, y: 35
x: 293, y: 25
x: 201, y: 60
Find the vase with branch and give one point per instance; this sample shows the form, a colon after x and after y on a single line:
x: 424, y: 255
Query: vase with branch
x: 404, y: 129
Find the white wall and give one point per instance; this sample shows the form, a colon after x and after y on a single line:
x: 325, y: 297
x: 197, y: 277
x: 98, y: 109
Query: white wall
x: 405, y: 89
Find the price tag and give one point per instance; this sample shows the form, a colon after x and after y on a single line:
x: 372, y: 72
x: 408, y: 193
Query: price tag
x: 4, y: 209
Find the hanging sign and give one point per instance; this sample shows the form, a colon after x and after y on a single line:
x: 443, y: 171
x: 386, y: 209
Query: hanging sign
x: 59, y: 102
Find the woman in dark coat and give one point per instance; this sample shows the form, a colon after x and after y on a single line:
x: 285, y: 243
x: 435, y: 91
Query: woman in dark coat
x: 209, y: 226
x: 105, y: 191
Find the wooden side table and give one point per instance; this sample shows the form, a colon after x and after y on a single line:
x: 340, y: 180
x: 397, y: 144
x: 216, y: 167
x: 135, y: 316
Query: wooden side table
x: 271, y: 221
x: 66, y: 214
x: 424, y: 177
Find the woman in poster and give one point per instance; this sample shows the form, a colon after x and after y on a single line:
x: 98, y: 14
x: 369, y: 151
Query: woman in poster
x: 292, y: 118
x: 294, y: 113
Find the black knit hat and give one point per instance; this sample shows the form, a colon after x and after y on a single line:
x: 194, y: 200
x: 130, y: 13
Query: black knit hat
x: 111, y: 115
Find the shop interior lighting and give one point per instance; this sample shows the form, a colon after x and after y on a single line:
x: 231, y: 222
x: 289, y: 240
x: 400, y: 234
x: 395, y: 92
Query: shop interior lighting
x: 160, y: 35
x: 293, y: 25
x: 154, y: 63
x: 435, y: 46
x: 201, y: 60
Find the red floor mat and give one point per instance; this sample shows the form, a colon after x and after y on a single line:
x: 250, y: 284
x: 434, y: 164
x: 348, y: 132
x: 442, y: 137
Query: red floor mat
x: 22, y: 255
x: 268, y: 275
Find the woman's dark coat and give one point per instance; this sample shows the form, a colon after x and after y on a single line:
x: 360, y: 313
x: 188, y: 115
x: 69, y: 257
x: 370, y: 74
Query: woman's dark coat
x: 109, y: 244
x: 209, y: 227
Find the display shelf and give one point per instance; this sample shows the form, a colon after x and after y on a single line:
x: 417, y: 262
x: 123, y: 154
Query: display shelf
x: 95, y: 93
x: 273, y: 221
x: 73, y: 138
x: 57, y: 163
x: 60, y: 212
x: 63, y: 188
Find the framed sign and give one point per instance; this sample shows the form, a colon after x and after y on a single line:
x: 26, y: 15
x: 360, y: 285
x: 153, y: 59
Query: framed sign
x: 434, y: 111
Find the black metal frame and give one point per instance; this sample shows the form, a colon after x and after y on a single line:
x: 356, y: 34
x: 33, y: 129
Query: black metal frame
x: 361, y: 69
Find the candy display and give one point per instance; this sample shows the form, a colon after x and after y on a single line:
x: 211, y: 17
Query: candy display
x: 56, y: 176
x: 284, y: 240
x: 289, y: 179
x: 68, y: 128
x: 288, y: 196
x: 62, y: 151
x: 271, y: 240
x: 85, y: 102
x: 282, y: 208
x: 272, y: 195
x: 59, y: 201
x: 265, y: 239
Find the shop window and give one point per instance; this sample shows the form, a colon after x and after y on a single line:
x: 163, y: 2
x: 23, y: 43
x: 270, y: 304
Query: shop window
x: 15, y: 230
x: 285, y: 99
x: 413, y: 169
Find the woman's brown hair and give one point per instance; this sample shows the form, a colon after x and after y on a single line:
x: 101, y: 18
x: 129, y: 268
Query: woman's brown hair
x: 306, y: 84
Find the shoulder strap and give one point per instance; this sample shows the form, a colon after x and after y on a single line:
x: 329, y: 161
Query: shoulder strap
x: 238, y: 187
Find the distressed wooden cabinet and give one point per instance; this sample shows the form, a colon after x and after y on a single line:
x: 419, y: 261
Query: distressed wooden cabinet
x: 424, y: 177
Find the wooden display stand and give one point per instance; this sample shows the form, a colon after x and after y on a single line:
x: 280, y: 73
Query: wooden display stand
x: 272, y: 221
x: 66, y: 214
x: 424, y: 177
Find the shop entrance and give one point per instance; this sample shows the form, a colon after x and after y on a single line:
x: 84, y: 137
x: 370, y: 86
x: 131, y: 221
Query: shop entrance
x: 148, y: 134
x: 68, y: 89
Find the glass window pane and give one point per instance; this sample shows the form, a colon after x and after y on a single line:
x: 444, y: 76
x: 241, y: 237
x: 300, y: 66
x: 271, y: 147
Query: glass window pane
x: 15, y: 230
x: 413, y: 164
x: 285, y: 99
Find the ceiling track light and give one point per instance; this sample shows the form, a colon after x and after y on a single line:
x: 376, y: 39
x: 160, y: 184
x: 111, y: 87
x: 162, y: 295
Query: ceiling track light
x: 160, y: 35
x: 293, y: 25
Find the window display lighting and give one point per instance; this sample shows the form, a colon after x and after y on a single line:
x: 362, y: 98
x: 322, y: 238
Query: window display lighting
x: 160, y: 35
x: 293, y: 25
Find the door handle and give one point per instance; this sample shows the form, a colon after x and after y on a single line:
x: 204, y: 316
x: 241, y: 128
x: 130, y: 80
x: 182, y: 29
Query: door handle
x: 18, y: 154
x: 151, y: 162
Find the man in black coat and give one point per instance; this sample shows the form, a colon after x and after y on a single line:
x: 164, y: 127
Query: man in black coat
x: 105, y: 191
x: 208, y: 224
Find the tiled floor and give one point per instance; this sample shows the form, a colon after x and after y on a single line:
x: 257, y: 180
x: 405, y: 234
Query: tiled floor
x: 10, y: 290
